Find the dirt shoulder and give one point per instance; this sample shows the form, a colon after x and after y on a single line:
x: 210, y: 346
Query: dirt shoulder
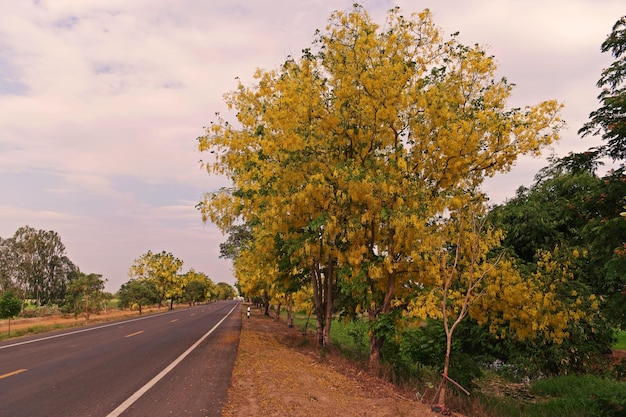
x: 279, y: 372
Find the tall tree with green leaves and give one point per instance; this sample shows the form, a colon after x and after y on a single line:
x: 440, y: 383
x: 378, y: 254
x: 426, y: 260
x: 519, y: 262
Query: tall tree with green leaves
x: 137, y: 292
x: 569, y: 206
x: 85, y: 294
x: 38, y: 264
x: 197, y: 286
x: 610, y: 119
x: 10, y: 306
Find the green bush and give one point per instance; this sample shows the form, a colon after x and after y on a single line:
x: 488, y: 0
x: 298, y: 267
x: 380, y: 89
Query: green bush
x: 571, y: 395
x: 351, y: 337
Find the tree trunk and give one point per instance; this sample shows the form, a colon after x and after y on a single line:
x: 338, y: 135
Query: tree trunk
x: 323, y: 288
x: 446, y: 367
x: 328, y: 295
x: 318, y: 298
x: 377, y: 341
x: 290, y: 310
x: 277, y: 317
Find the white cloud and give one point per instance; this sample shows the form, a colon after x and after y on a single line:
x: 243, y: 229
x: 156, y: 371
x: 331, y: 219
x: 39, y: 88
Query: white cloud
x: 101, y: 102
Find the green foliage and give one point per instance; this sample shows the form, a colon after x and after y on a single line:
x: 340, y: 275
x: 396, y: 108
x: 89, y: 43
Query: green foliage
x: 85, y: 295
x: 10, y: 305
x: 351, y: 336
x: 139, y: 292
x: 573, y: 209
x: 35, y: 261
x: 195, y: 291
x: 572, y: 396
x: 223, y: 291
x: 610, y: 119
x: 620, y: 340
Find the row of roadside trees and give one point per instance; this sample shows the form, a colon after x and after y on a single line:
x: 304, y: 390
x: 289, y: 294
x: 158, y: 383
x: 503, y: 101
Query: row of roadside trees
x: 156, y: 277
x: 35, y: 269
x: 356, y: 174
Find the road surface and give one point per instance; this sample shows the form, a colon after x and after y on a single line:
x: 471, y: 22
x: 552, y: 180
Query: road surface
x: 176, y: 363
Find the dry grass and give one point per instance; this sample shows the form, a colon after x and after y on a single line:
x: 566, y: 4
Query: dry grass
x: 279, y: 372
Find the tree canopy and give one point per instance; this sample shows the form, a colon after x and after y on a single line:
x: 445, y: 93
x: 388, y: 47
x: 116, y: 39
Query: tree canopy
x: 348, y: 154
x: 35, y: 263
x: 610, y: 118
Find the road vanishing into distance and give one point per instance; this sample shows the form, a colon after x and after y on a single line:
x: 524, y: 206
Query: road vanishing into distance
x: 176, y: 363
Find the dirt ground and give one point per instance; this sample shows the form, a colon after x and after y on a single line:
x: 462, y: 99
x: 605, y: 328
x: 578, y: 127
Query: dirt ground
x: 279, y: 372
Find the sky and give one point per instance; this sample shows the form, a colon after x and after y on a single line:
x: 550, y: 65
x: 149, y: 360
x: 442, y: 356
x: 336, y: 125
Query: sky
x: 101, y: 103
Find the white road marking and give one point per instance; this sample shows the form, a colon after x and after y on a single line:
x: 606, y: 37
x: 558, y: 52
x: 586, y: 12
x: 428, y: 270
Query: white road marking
x: 141, y: 391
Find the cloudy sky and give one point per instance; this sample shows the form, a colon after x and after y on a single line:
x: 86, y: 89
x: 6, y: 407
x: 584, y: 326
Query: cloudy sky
x: 101, y: 103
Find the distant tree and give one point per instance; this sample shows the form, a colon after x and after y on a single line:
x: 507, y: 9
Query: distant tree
x: 85, y: 294
x: 139, y: 292
x: 38, y: 264
x: 10, y: 306
x: 195, y: 292
x: 7, y: 269
x: 610, y: 119
x: 197, y: 286
x: 224, y: 291
x: 162, y: 269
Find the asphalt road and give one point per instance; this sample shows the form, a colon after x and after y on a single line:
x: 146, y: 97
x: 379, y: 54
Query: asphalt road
x: 177, y: 363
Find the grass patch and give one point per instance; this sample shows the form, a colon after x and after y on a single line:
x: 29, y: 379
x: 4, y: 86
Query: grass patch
x: 351, y: 337
x: 571, y: 395
x: 36, y: 329
x: 621, y: 340
x: 302, y: 321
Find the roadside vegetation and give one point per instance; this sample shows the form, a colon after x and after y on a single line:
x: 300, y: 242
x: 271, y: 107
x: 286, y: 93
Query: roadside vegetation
x: 356, y: 195
x: 497, y: 389
x: 38, y: 280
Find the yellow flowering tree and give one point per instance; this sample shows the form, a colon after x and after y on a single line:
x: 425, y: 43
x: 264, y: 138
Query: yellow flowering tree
x: 163, y: 270
x: 351, y: 151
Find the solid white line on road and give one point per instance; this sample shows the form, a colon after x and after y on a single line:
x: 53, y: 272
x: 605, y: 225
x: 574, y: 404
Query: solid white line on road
x: 141, y: 391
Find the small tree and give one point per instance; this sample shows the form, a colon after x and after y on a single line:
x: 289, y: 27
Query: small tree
x: 464, y: 268
x: 85, y: 294
x: 138, y: 292
x: 162, y: 269
x: 10, y: 306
